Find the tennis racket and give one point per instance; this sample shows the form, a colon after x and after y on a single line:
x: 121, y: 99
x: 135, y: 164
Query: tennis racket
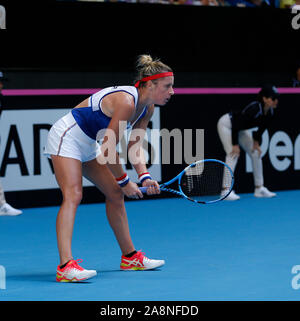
x: 206, y: 181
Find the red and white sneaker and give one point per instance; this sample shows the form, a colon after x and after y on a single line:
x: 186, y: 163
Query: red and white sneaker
x: 73, y: 272
x: 139, y: 262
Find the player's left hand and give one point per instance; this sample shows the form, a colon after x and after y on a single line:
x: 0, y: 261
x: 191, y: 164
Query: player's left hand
x: 153, y: 186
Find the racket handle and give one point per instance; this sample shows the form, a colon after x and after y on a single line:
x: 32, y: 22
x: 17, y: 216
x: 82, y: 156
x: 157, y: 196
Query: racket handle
x: 143, y: 189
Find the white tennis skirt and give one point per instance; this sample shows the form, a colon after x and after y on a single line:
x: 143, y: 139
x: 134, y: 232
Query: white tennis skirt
x: 67, y: 139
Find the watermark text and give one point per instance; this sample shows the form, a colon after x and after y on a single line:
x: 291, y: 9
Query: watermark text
x: 177, y: 146
x: 2, y: 17
x: 2, y: 278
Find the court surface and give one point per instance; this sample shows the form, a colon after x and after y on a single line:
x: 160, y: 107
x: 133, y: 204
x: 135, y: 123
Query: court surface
x: 243, y: 250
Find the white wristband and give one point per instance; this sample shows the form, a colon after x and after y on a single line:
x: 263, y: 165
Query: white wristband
x: 123, y: 180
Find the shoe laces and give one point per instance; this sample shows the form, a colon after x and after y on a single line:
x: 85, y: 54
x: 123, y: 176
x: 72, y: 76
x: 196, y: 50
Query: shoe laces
x: 141, y: 255
x: 74, y: 264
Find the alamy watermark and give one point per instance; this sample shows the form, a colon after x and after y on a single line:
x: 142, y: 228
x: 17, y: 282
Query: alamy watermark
x: 296, y: 19
x: 2, y: 17
x: 177, y: 146
x: 2, y: 278
x: 295, y: 280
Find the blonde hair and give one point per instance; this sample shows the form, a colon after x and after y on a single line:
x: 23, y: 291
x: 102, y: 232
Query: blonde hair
x: 147, y: 66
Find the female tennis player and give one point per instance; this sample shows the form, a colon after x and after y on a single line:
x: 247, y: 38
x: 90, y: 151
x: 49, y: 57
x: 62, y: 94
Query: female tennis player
x: 74, y: 150
x: 233, y: 131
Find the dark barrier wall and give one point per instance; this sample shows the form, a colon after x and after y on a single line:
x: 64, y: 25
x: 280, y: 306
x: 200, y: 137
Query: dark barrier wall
x: 108, y: 36
x: 281, y: 142
x: 55, y: 78
x: 27, y: 120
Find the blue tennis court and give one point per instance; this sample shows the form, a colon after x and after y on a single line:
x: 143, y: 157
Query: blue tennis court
x: 243, y: 250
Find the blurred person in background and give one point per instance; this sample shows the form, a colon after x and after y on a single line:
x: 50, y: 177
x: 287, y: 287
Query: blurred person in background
x: 286, y: 4
x: 296, y: 5
x: 296, y: 79
x: 233, y: 132
x: 213, y: 3
x: 5, y: 208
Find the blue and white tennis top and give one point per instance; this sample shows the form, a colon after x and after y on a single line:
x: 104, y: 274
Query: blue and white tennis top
x: 92, y: 119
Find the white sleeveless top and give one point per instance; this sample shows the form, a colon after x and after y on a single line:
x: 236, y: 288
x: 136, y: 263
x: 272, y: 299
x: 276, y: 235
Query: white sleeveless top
x: 92, y: 119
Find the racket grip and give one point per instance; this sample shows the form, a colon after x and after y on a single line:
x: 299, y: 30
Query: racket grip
x: 143, y: 189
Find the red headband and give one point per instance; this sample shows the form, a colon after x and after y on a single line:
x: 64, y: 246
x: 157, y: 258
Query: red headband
x: 161, y: 75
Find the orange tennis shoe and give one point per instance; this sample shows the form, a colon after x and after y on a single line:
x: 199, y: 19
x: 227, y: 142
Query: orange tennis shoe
x: 139, y: 262
x: 73, y: 272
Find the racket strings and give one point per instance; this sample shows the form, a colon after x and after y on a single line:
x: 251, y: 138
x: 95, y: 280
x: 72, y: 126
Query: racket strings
x: 206, y: 181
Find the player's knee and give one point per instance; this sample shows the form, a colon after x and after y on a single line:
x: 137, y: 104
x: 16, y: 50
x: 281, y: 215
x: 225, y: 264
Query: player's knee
x: 115, y: 195
x: 254, y: 155
x: 230, y: 157
x: 73, y: 195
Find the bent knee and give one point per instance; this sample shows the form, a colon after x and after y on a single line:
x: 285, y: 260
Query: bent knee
x: 73, y: 195
x: 231, y: 157
x: 115, y: 194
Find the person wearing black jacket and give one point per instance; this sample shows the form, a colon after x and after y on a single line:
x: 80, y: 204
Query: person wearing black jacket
x: 233, y: 129
x: 5, y: 208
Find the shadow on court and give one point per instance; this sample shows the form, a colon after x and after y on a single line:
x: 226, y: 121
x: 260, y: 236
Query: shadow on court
x: 39, y: 277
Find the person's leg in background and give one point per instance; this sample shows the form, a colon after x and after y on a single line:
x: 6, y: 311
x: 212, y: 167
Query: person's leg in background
x: 5, y: 208
x: 2, y: 197
x: 224, y: 131
x: 246, y: 142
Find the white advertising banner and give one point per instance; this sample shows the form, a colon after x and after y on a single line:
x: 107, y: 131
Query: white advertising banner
x: 23, y: 135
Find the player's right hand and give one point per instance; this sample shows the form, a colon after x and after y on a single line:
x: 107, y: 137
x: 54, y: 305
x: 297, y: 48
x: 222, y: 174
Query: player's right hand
x: 131, y: 190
